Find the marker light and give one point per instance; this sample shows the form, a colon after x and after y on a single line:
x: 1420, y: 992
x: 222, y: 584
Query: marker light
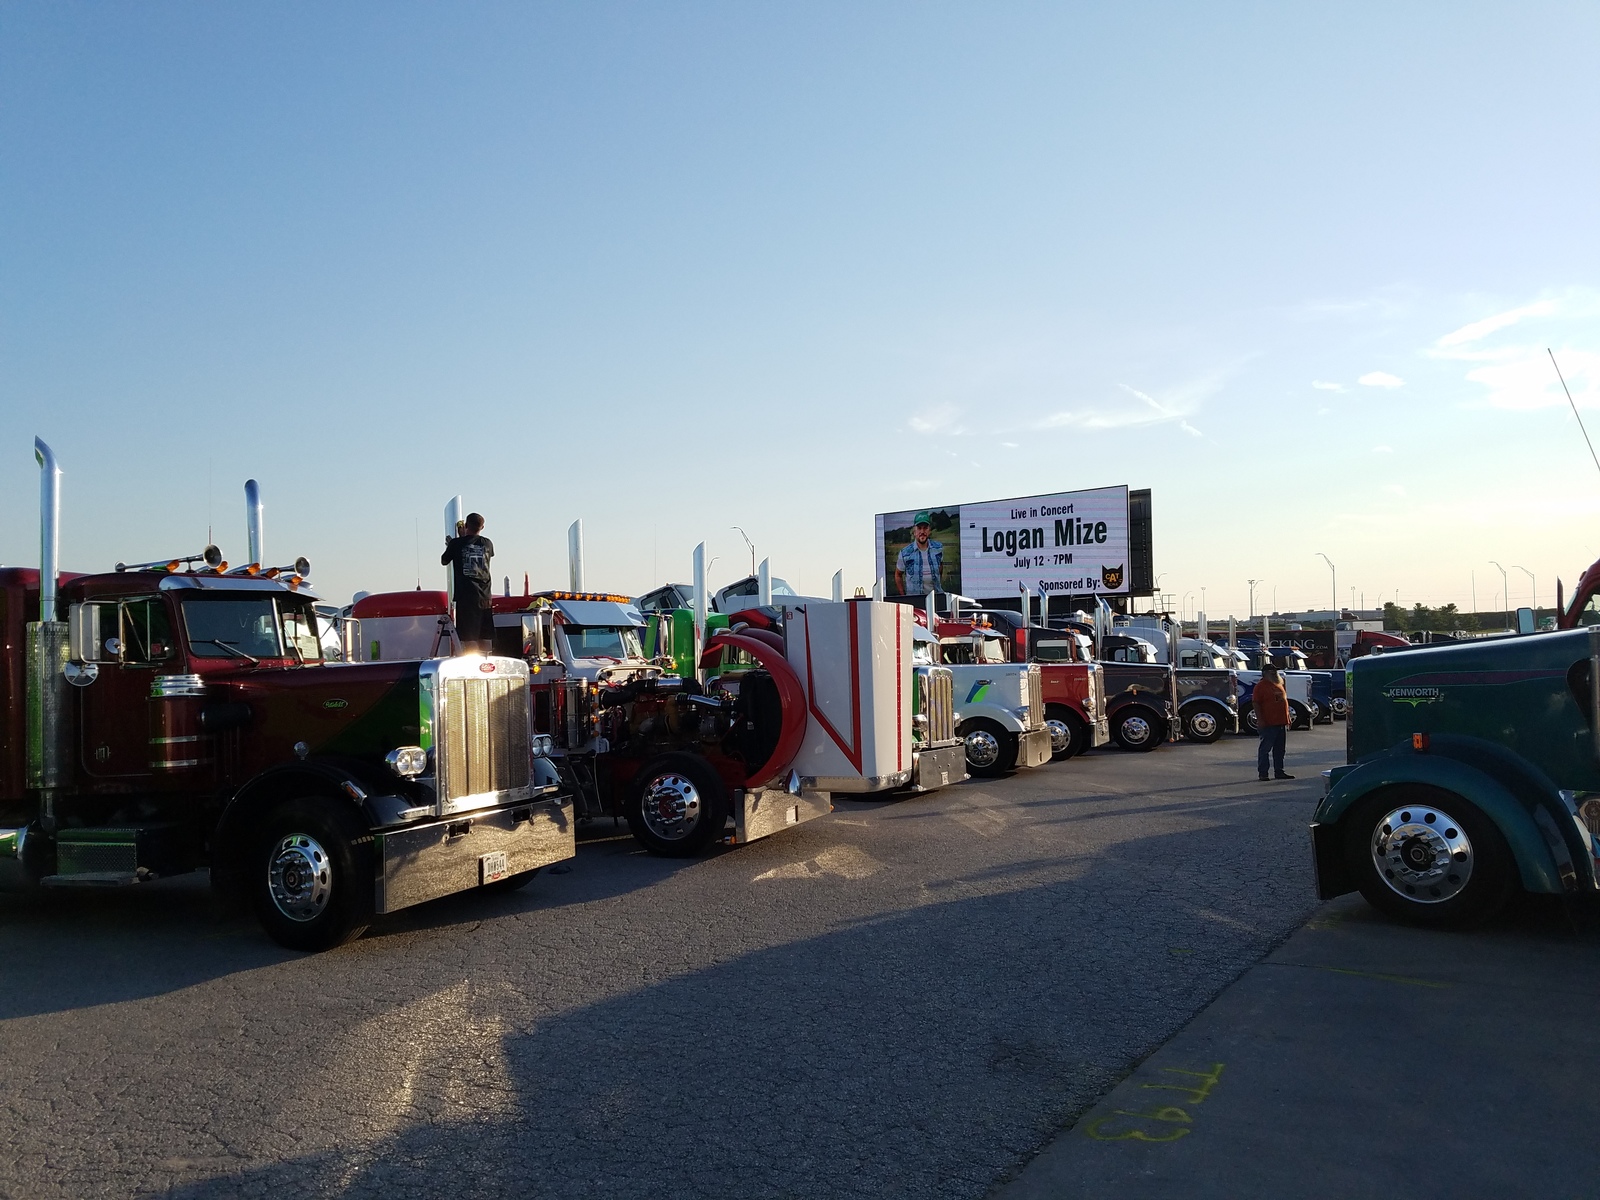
x: 1419, y: 741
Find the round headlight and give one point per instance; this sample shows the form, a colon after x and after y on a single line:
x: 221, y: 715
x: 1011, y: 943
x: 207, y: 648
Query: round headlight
x: 407, y: 761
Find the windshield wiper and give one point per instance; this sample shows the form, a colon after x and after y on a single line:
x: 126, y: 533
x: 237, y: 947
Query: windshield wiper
x: 229, y: 647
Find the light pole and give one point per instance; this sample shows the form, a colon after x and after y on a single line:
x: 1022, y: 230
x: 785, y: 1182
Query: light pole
x: 749, y: 543
x: 1335, y: 575
x: 1535, y: 584
x: 1505, y: 588
x: 1252, y: 583
x: 1202, y: 599
x: 1183, y: 606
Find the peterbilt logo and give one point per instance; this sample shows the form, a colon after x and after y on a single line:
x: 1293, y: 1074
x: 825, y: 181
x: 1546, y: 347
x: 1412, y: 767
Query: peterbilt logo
x: 1413, y: 695
x: 486, y: 667
x: 1111, y: 577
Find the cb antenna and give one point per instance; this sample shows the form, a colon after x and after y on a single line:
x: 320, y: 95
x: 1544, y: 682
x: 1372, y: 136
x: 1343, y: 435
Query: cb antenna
x: 1572, y: 402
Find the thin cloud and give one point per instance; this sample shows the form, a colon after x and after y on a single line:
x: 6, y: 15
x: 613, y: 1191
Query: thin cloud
x: 1322, y: 385
x: 943, y: 420
x: 1381, y: 379
x: 1483, y: 328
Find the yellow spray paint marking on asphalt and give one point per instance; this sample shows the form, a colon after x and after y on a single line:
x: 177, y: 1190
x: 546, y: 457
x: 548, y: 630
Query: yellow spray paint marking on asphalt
x: 1164, y: 1123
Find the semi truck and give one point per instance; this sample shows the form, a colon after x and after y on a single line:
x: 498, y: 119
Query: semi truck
x: 1074, y: 690
x: 1141, y: 695
x: 1000, y: 710
x: 1472, y: 771
x: 178, y: 715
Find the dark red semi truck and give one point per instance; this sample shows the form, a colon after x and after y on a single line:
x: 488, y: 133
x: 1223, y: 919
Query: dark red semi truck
x: 175, y: 716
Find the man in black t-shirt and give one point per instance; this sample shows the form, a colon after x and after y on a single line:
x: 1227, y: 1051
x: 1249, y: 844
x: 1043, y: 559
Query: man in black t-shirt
x: 469, y: 552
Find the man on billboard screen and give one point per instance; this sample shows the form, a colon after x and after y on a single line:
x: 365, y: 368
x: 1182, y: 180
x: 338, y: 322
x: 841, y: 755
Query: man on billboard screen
x: 919, y: 568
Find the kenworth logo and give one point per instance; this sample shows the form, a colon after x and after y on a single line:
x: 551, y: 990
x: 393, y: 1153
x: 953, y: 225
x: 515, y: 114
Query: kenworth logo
x: 1413, y: 695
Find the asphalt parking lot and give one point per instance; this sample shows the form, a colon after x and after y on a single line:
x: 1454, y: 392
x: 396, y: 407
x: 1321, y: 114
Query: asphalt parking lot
x: 902, y: 999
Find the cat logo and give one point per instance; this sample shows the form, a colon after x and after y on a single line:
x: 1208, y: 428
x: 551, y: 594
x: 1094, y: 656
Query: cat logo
x: 1112, y: 578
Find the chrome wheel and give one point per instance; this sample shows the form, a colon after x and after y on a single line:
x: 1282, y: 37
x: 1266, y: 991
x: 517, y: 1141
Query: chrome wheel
x: 1422, y: 854
x: 1203, y: 725
x: 671, y: 807
x: 300, y: 877
x: 983, y: 748
x: 1340, y: 704
x: 1135, y: 731
x: 1060, y: 735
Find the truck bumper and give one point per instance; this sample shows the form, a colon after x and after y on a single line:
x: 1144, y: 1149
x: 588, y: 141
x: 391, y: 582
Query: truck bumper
x: 1033, y: 748
x: 938, y: 766
x: 759, y: 812
x: 424, y: 862
x: 1099, y: 733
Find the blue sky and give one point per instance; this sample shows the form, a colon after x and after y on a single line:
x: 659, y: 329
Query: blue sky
x: 673, y: 269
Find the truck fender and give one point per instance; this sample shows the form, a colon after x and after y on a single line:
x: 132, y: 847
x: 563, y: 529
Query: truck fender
x: 1002, y: 717
x: 309, y: 778
x: 1536, y: 865
x: 790, y: 693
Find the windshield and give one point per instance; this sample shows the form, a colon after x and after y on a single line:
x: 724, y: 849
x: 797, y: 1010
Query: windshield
x: 221, y: 626
x: 1055, y: 651
x: 603, y: 641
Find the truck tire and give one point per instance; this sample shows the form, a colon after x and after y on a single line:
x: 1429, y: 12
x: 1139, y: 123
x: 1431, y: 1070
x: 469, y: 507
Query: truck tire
x: 991, y: 749
x: 1299, y: 715
x: 1077, y: 731
x: 1204, y: 723
x: 1247, y: 721
x: 1341, y: 706
x: 1428, y: 856
x: 309, y: 873
x: 1138, y: 728
x: 677, y: 806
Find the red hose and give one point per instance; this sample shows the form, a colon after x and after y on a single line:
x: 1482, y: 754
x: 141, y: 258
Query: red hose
x: 790, y: 694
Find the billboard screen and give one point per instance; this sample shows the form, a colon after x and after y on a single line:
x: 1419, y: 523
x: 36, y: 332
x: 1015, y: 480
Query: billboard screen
x: 1067, y: 543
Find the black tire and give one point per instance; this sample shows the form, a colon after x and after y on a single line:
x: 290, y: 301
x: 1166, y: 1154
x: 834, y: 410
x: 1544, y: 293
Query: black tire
x: 1204, y: 723
x: 308, y: 871
x: 677, y: 806
x: 1247, y: 721
x: 991, y: 749
x: 1299, y: 715
x: 511, y: 883
x: 1440, y: 819
x: 1077, y: 731
x: 1137, y: 728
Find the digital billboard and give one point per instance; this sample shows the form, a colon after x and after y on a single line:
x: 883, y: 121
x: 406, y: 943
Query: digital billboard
x: 1066, y: 543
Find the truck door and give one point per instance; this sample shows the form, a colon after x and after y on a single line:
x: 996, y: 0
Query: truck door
x: 134, y: 643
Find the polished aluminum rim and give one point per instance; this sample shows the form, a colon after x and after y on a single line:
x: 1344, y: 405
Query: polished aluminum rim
x: 671, y: 807
x: 1060, y: 735
x: 300, y: 877
x: 1339, y: 703
x: 1203, y: 724
x: 1422, y: 854
x: 983, y: 748
x: 1136, y: 731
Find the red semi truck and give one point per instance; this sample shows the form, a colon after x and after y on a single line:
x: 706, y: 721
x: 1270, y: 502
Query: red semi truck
x: 176, y: 715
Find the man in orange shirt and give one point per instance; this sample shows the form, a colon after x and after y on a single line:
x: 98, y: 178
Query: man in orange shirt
x: 1271, y: 705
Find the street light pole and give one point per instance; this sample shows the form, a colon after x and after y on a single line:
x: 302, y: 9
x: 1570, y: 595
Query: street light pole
x: 752, y: 546
x: 1505, y: 588
x: 1252, y: 583
x: 1183, y: 606
x: 1335, y: 575
x: 1535, y: 584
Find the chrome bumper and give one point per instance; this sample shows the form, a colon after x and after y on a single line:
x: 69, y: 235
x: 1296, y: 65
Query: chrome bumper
x: 424, y: 862
x: 1033, y: 748
x: 1100, y: 733
x: 938, y: 767
x: 759, y: 812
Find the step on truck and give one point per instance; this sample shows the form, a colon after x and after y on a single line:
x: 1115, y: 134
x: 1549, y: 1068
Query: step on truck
x: 722, y: 732
x: 177, y: 715
x: 1473, y: 771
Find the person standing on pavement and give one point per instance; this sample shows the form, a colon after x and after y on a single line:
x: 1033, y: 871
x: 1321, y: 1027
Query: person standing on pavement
x: 469, y: 553
x: 1271, y: 704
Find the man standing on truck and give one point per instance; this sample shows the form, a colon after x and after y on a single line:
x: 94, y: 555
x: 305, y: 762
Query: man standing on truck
x: 469, y: 553
x: 920, y: 567
x: 1271, y: 703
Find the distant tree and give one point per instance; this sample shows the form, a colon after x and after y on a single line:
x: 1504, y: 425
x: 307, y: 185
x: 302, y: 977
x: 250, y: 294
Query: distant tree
x: 1394, y: 617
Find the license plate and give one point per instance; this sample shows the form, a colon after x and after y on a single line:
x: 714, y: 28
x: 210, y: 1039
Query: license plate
x: 493, y: 867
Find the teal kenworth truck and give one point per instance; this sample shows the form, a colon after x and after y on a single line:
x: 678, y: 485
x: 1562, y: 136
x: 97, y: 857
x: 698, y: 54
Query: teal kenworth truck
x: 1473, y: 770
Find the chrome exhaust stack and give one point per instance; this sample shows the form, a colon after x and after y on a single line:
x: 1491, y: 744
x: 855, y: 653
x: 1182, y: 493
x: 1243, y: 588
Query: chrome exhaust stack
x: 49, y: 528
x: 575, y: 555
x: 48, y: 693
x: 254, y: 520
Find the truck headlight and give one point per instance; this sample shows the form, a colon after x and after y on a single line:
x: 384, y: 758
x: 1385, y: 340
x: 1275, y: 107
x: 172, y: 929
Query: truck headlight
x: 543, y: 744
x: 1021, y: 713
x: 407, y: 761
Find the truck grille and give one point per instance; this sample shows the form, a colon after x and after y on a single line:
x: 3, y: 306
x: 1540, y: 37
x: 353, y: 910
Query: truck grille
x: 1035, y: 697
x: 485, y: 739
x: 938, y: 703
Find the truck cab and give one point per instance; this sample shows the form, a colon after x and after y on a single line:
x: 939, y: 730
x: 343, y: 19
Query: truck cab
x: 1297, y: 686
x: 1074, y: 690
x: 1472, y: 771
x: 1000, y: 711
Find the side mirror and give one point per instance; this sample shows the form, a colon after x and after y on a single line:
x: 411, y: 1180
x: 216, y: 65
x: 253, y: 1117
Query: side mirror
x: 83, y: 633
x: 1524, y: 620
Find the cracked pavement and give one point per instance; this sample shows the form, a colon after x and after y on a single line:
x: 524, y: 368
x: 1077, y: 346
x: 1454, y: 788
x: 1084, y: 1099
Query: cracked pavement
x: 905, y: 998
